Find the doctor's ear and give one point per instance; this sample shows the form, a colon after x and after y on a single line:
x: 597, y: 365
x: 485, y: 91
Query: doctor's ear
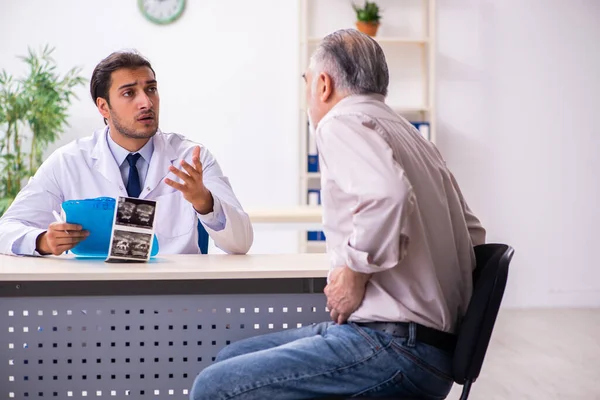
x: 103, y: 107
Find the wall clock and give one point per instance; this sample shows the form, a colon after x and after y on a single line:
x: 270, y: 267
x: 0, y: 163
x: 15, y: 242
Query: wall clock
x: 161, y: 11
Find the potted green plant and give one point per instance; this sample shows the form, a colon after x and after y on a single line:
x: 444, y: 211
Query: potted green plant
x: 367, y: 18
x: 33, y: 113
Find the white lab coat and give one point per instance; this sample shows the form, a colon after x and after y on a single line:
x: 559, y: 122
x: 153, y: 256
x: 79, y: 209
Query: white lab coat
x: 86, y: 169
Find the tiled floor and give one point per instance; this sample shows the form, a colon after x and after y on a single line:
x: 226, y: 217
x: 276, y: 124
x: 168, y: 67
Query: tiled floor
x: 541, y: 354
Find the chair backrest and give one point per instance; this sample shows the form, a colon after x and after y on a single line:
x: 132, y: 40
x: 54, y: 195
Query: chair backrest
x: 202, y: 238
x: 475, y: 331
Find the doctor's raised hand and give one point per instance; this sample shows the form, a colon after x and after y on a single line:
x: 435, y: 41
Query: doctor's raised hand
x: 192, y: 188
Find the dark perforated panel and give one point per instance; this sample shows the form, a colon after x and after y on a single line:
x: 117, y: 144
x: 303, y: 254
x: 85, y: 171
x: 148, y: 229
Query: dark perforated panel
x: 137, y: 347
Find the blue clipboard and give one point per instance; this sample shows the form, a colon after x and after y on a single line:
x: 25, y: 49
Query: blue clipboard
x: 96, y: 216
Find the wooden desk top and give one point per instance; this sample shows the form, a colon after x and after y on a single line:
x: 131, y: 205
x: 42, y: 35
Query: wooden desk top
x: 167, y: 267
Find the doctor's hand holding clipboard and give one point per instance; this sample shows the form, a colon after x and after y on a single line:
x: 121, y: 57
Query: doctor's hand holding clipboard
x: 60, y: 237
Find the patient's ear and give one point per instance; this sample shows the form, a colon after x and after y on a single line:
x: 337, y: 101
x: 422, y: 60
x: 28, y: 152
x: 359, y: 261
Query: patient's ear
x: 102, y: 105
x: 324, y: 87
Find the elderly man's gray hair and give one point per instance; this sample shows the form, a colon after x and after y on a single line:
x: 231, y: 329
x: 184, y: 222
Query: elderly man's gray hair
x: 354, y: 61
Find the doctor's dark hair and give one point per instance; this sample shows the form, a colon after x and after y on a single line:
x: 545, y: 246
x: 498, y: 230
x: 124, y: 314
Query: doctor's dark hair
x: 101, y: 77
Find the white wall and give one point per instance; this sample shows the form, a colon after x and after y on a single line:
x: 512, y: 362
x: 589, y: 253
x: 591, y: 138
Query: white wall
x: 228, y: 78
x: 518, y: 97
x: 517, y: 92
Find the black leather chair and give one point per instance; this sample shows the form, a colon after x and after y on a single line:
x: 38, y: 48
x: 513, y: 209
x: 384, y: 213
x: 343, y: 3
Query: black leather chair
x: 489, y: 281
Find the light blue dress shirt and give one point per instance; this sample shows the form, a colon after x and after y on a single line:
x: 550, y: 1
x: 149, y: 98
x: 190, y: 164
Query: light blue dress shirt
x: 120, y: 154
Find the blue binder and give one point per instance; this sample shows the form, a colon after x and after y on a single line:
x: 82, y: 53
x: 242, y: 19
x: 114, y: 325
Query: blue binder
x: 318, y: 192
x: 96, y: 216
x: 423, y: 128
x: 318, y: 236
x: 313, y: 163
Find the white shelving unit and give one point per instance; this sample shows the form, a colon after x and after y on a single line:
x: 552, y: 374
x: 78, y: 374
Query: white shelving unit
x: 407, y: 37
x: 385, y: 40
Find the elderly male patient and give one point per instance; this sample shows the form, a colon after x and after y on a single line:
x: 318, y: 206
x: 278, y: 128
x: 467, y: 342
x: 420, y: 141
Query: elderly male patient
x: 400, y: 241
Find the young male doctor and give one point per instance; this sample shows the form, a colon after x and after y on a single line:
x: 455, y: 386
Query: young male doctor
x: 129, y: 157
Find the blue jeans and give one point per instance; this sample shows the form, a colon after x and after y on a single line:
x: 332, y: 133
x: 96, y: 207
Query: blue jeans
x: 322, y: 360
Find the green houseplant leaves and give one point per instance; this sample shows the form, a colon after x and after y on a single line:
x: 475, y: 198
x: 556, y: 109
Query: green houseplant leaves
x: 33, y: 114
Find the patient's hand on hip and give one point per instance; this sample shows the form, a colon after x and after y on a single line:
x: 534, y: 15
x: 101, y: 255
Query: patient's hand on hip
x: 345, y: 293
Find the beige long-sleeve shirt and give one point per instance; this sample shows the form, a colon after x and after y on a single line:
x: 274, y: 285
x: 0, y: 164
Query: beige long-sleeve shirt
x: 392, y: 208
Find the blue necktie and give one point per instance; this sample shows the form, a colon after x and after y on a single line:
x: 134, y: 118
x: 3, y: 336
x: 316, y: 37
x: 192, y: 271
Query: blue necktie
x: 133, y: 182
